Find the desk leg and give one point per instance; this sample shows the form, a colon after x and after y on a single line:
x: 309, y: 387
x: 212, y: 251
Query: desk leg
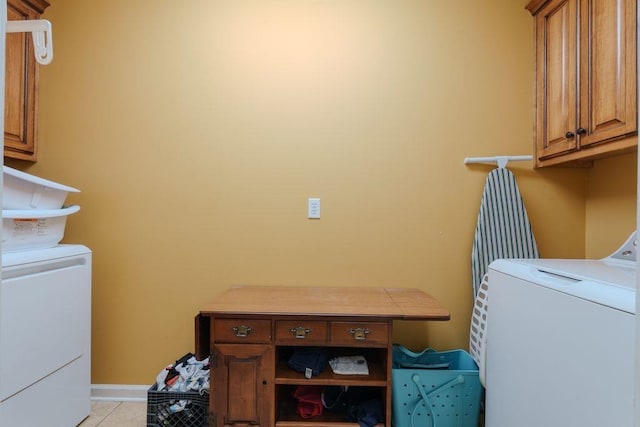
x: 202, y: 336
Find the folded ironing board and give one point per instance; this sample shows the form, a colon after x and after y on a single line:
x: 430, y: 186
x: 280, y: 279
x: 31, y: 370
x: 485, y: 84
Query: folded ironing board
x: 503, y: 229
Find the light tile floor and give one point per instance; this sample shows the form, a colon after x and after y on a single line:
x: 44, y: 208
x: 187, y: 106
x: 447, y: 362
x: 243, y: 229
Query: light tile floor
x: 116, y: 414
x: 130, y: 414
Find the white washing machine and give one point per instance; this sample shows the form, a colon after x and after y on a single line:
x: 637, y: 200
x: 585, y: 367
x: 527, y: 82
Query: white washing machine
x: 560, y: 341
x: 45, y: 337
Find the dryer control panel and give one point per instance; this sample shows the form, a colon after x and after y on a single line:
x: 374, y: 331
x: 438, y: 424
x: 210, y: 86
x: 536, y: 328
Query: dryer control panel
x: 626, y: 252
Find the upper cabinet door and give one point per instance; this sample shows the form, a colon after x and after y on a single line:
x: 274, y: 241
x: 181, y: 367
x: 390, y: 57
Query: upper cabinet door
x: 586, y: 101
x: 556, y: 77
x: 608, y: 70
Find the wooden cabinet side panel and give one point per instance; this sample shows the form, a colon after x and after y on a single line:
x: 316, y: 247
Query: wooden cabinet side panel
x: 20, y: 87
x: 21, y: 84
x: 608, y: 70
x: 15, y: 82
x: 556, y: 77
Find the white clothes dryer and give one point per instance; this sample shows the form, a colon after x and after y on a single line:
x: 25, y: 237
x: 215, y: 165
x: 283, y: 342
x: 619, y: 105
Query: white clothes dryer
x: 560, y: 341
x: 45, y: 337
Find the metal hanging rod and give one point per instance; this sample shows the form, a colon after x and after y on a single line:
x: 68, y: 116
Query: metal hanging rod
x: 501, y: 161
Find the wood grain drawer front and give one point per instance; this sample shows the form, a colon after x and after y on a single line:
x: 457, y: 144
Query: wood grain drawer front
x: 242, y: 330
x: 364, y: 334
x: 301, y: 332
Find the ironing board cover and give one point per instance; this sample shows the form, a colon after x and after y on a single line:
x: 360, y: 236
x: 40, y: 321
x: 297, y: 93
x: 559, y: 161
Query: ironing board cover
x: 503, y: 229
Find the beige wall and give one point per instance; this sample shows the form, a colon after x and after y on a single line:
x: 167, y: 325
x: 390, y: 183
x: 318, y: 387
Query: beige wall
x: 611, y: 204
x: 197, y: 130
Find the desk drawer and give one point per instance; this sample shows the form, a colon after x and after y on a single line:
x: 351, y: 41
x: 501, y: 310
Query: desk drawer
x: 363, y: 334
x: 301, y: 332
x: 242, y: 330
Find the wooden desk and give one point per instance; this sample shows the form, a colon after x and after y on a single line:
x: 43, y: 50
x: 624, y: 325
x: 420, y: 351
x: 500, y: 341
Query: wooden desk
x: 250, y: 332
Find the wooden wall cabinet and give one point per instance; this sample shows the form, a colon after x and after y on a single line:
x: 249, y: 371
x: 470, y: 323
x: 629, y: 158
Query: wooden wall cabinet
x: 586, y: 100
x: 21, y: 84
x: 251, y: 333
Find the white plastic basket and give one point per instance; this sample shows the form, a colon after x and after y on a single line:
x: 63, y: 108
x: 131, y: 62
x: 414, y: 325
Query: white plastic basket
x: 478, y: 332
x: 434, y: 388
x: 21, y: 190
x: 34, y: 228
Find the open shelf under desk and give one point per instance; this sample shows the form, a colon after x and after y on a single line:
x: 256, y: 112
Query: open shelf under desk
x: 318, y: 423
x: 377, y: 377
x: 287, y: 417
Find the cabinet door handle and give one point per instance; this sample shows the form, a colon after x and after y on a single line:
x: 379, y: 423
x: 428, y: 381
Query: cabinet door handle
x: 581, y: 131
x: 300, y: 332
x: 359, y: 334
x: 242, y: 331
x: 569, y: 135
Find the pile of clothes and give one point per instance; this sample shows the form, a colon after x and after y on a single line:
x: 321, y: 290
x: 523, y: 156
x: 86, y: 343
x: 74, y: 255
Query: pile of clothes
x: 357, y: 404
x: 187, y: 374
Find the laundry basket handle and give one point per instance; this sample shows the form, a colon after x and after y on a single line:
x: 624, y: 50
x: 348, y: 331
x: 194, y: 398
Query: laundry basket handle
x: 459, y: 379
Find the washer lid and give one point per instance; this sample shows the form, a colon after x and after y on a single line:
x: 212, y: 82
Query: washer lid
x: 587, y: 269
x: 19, y: 258
x: 599, y: 281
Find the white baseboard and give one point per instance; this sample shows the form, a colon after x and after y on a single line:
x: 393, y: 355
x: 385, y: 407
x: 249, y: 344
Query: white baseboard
x: 119, y: 392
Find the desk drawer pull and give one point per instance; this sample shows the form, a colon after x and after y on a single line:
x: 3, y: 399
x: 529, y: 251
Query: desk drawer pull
x: 359, y: 334
x: 242, y: 331
x: 300, y: 332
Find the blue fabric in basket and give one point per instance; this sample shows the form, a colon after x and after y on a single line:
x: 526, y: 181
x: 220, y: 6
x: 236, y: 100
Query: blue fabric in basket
x: 432, y: 359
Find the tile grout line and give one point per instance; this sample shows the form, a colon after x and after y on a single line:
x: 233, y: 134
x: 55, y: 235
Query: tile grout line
x: 109, y: 414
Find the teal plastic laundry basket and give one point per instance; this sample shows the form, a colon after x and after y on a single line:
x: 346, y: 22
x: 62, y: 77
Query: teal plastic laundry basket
x: 435, y: 388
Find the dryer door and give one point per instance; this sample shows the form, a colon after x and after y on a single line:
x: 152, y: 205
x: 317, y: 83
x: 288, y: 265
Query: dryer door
x: 45, y: 319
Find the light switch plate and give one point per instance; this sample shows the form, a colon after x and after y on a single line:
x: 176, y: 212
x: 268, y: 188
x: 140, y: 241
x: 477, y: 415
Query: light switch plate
x: 314, y: 208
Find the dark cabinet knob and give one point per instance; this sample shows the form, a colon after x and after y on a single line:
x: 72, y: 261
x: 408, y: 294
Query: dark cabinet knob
x: 581, y: 131
x: 569, y: 135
